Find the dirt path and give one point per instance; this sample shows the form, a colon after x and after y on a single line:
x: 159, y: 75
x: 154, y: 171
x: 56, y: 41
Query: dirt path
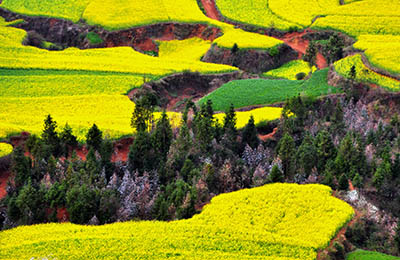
x: 211, y: 9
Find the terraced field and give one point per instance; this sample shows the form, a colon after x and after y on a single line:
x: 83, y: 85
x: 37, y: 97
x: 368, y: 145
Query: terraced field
x: 291, y: 69
x: 243, y: 93
x: 277, y: 221
x: 365, y: 20
x: 363, y: 74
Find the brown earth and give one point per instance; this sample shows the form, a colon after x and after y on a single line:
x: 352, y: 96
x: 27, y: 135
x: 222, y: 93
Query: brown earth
x: 211, y: 9
x: 297, y: 42
x: 4, y: 177
x: 268, y: 136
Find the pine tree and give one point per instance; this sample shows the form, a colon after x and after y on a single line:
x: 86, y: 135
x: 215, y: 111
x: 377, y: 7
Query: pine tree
x: 381, y: 173
x: 162, y: 136
x: 276, y: 175
x: 343, y: 182
x: 92, y: 167
x: 307, y: 155
x: 249, y: 135
x: 141, y: 155
x: 21, y: 167
x: 286, y: 151
x: 68, y: 140
x: 357, y: 181
x: 311, y: 54
x: 94, y: 138
x: 106, y: 151
x: 204, y: 129
x: 230, y: 121
x: 50, y: 136
x: 325, y: 149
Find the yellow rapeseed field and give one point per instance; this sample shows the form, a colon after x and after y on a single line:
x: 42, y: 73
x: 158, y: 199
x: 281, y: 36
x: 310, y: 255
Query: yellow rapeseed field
x: 259, y: 114
x: 364, y: 74
x: 5, y: 149
x: 273, y: 222
x: 382, y: 51
x: 291, y: 69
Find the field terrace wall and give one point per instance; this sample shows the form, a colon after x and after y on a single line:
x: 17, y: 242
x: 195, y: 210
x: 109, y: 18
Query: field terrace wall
x: 67, y: 34
x: 251, y: 60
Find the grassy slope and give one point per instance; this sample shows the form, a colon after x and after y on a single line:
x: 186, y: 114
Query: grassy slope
x: 273, y: 222
x: 368, y: 255
x: 242, y: 93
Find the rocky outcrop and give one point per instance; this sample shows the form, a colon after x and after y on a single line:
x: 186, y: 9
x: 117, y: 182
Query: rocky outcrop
x: 251, y: 60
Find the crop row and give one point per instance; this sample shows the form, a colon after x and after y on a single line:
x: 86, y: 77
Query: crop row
x: 277, y: 221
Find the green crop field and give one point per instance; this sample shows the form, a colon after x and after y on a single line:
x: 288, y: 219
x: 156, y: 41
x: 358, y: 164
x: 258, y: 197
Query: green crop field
x: 273, y: 222
x: 242, y: 93
x: 368, y: 255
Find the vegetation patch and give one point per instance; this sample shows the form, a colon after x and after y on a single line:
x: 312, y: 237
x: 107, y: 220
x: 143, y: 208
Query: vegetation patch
x: 242, y: 93
x: 278, y: 221
x: 368, y: 255
x: 94, y: 38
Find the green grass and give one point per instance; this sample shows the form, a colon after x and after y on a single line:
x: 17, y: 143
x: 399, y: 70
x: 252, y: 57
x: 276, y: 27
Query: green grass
x: 369, y: 255
x: 94, y: 38
x: 243, y: 93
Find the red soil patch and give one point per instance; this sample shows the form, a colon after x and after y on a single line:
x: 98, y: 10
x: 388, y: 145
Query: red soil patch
x: 296, y: 42
x: 351, y: 187
x: 4, y: 176
x: 268, y: 136
x: 121, y: 150
x: 62, y: 215
x: 168, y: 34
x: 211, y: 9
x: 81, y: 152
x: 147, y: 45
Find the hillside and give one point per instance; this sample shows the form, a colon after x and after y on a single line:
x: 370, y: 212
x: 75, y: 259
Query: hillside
x: 199, y: 129
x: 232, y: 226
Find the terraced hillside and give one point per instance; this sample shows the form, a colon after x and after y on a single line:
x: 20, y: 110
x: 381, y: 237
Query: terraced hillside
x: 375, y: 24
x: 278, y: 221
x: 74, y: 84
